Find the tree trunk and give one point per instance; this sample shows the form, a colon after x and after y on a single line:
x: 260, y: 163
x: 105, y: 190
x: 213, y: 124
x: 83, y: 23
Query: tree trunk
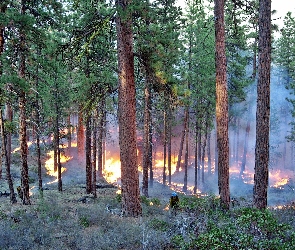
x: 24, y: 150
x: 199, y: 152
x: 209, y: 154
x: 184, y: 189
x: 57, y: 163
x: 88, y: 155
x: 221, y: 105
x: 237, y: 141
x: 165, y: 147
x: 22, y: 120
x: 147, y: 126
x: 244, y: 159
x: 101, y: 111
x: 80, y: 135
x: 181, y: 147
x: 204, y: 150
x: 196, y: 158
x: 263, y: 106
x: 7, y: 162
x: 127, y: 111
x: 169, y: 135
x: 94, y: 152
x: 69, y: 134
x: 37, y: 126
x: 2, y: 41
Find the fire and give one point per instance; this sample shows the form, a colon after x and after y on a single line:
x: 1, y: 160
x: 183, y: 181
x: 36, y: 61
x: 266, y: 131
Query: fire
x: 278, y: 178
x: 159, y: 163
x: 112, y: 170
x: 49, y: 164
x: 17, y: 149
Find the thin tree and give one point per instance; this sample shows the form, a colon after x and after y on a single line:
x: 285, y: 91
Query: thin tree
x: 7, y: 162
x: 94, y: 152
x: 127, y: 111
x: 263, y: 106
x: 2, y: 41
x: 221, y: 105
x: 147, y: 145
x: 88, y: 154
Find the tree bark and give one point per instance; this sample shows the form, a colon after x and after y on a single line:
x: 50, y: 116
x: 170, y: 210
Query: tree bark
x: 237, y: 156
x: 127, y: 111
x: 184, y: 189
x: 221, y: 105
x: 244, y: 159
x: 209, y: 154
x: 147, y: 130
x: 165, y: 148
x: 196, y: 155
x: 181, y: 147
x: 204, y: 152
x: 169, y: 135
x: 2, y: 41
x: 69, y: 134
x: 263, y: 106
x: 100, y: 151
x: 7, y: 161
x: 88, y: 155
x: 94, y: 152
x: 80, y: 134
x: 22, y: 119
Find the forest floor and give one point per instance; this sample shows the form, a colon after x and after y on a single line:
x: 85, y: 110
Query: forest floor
x: 72, y: 219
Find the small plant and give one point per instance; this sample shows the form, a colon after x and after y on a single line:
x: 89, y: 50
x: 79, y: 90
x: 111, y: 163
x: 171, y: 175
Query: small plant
x: 159, y: 224
x: 84, y: 221
x: 119, y: 198
x: 156, y: 202
x: 144, y: 200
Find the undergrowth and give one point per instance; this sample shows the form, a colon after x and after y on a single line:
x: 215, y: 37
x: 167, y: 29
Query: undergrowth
x: 60, y: 221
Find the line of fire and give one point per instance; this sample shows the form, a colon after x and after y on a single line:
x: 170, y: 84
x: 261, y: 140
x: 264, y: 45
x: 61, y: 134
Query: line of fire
x: 242, y: 146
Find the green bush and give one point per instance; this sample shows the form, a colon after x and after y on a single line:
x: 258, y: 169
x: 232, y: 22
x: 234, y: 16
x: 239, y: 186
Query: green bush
x: 84, y: 221
x: 158, y: 224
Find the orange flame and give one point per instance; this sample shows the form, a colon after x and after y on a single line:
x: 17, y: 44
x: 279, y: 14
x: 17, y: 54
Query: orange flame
x: 112, y: 170
x: 17, y: 149
x: 49, y: 164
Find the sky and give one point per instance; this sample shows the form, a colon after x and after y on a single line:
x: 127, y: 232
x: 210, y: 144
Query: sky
x: 281, y: 6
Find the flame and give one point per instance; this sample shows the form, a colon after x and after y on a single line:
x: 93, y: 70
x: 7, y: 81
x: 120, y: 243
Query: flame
x: 278, y: 178
x: 17, y: 149
x: 49, y: 164
x: 159, y: 163
x: 112, y: 170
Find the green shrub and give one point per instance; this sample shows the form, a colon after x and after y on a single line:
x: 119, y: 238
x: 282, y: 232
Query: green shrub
x: 84, y: 221
x: 158, y: 224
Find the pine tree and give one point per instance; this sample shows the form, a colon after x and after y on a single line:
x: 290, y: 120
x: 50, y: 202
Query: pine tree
x: 263, y: 107
x: 126, y: 111
x: 221, y: 106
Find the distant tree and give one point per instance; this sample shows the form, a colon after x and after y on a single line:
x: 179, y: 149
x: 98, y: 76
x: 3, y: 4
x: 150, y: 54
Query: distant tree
x: 126, y: 111
x: 3, y: 134
x: 284, y: 56
x: 3, y: 7
x: 221, y: 106
x: 263, y: 106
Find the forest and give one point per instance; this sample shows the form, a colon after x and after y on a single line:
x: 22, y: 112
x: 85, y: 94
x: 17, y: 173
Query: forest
x: 107, y: 107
